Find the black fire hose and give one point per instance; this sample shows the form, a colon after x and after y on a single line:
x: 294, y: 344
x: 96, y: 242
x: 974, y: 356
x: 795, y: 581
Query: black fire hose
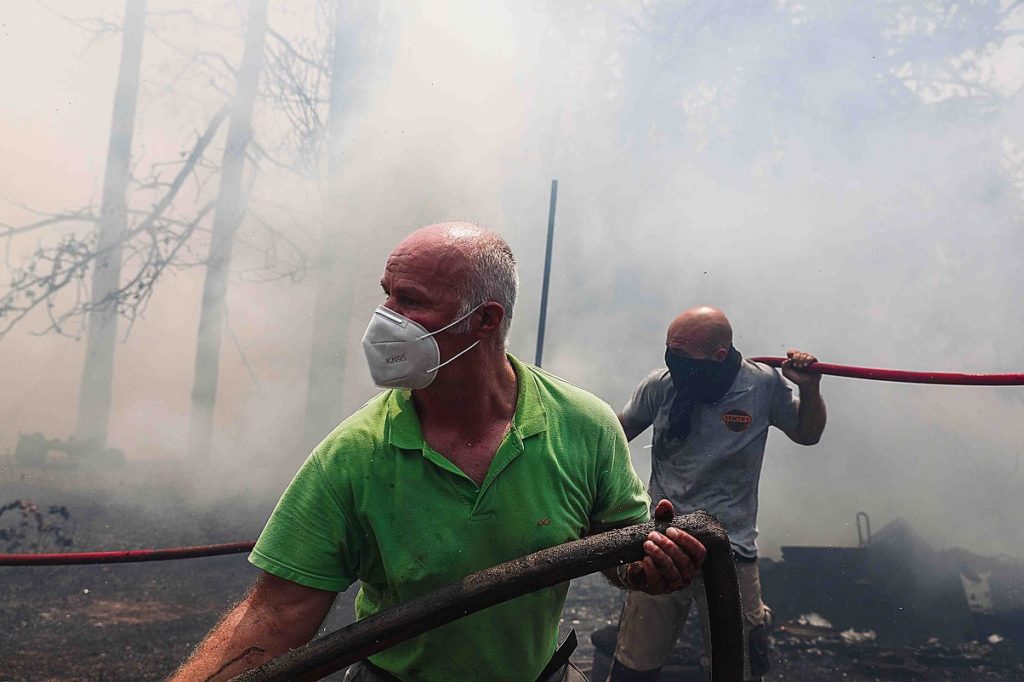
x: 545, y: 568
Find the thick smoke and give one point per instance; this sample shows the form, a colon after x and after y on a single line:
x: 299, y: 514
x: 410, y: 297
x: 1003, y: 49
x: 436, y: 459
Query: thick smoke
x: 845, y: 178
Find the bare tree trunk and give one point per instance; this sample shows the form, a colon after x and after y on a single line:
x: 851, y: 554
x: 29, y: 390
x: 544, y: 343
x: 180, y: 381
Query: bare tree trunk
x: 229, y: 212
x: 97, y: 375
x: 334, y: 268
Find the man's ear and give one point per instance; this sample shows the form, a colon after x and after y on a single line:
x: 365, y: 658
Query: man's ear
x: 720, y: 354
x: 491, y: 315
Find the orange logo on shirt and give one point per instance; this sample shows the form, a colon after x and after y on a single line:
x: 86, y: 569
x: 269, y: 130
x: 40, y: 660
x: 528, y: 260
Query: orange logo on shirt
x: 737, y: 420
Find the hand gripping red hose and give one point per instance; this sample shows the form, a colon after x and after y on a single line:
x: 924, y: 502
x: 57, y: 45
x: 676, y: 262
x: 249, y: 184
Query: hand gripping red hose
x: 950, y: 378
x: 127, y: 556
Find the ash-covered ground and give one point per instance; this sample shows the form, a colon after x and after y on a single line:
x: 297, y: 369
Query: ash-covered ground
x: 139, y: 621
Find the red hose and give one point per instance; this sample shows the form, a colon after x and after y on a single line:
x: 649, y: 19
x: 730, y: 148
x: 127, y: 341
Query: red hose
x: 124, y: 556
x: 950, y: 378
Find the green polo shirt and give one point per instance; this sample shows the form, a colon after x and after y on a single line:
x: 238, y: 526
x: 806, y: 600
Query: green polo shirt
x: 375, y: 503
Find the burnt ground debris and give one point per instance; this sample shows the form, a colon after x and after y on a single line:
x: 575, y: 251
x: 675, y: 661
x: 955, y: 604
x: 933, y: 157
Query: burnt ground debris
x: 138, y: 621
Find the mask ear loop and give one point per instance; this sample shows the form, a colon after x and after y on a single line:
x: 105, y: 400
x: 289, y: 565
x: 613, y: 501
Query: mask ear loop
x: 452, y: 324
x: 454, y: 357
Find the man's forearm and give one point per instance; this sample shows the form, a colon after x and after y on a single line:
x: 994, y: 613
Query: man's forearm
x: 242, y: 640
x: 275, y: 616
x: 812, y: 415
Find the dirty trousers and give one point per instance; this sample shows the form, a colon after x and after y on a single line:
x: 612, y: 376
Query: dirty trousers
x: 650, y: 624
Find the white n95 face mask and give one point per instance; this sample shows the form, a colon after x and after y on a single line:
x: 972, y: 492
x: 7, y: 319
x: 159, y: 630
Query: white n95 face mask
x: 401, y: 353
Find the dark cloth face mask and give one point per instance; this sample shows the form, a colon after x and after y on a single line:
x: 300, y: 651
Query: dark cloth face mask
x: 697, y: 381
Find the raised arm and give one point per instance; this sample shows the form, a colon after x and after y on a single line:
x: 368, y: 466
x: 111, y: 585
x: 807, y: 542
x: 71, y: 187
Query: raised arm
x: 811, y: 415
x: 275, y: 616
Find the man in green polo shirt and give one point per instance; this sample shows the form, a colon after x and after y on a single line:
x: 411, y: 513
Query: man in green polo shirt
x: 464, y: 463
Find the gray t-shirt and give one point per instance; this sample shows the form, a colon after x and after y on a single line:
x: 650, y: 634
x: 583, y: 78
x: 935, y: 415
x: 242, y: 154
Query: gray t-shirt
x: 718, y: 466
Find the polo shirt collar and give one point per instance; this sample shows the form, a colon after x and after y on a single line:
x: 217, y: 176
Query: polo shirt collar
x: 402, y: 429
x: 530, y: 417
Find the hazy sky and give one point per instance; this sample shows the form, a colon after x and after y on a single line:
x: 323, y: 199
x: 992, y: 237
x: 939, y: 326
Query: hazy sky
x: 842, y: 177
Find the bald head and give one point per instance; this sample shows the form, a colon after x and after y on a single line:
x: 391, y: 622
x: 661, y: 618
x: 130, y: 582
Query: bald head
x: 457, y: 243
x: 478, y: 263
x: 701, y: 333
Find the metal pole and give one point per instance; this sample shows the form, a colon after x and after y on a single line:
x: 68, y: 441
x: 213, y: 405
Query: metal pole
x: 547, y: 275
